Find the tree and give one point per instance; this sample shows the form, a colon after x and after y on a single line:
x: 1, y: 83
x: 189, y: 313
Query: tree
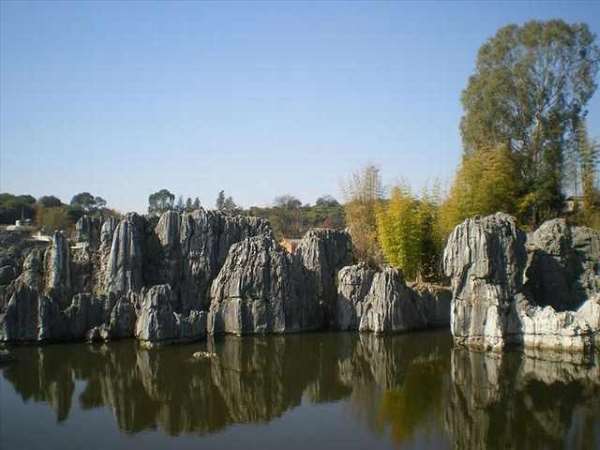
x: 189, y: 206
x: 529, y: 91
x: 588, y: 160
x: 53, y: 218
x: 220, y: 203
x: 588, y: 213
x: 327, y: 201
x: 196, y: 204
x: 15, y: 207
x: 180, y: 206
x: 486, y: 181
x: 87, y: 202
x: 160, y: 202
x: 363, y: 193
x: 229, y: 206
x: 287, y: 201
x: 49, y: 201
x: 408, y: 233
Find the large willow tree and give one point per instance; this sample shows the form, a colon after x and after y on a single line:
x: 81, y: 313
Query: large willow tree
x: 529, y: 92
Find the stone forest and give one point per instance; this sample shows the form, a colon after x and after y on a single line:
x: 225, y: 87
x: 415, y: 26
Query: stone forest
x: 449, y: 300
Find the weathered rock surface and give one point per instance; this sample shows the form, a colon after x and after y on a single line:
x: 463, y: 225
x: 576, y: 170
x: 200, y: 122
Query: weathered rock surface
x: 380, y: 301
x: 109, y: 283
x: 323, y: 252
x: 504, y: 296
x: 158, y: 321
x: 58, y: 267
x: 194, y: 247
x: 262, y: 289
x: 124, y: 269
x: 354, y: 284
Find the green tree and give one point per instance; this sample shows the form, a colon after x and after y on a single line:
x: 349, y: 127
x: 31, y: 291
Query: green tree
x: 196, y: 204
x: 408, y: 233
x: 287, y: 201
x: 180, y: 205
x: 327, y: 201
x: 160, y: 201
x: 189, y: 206
x: 528, y: 92
x: 220, y: 202
x: 230, y: 207
x: 87, y: 202
x: 15, y: 207
x: 487, y: 181
x: 49, y: 201
x: 589, y: 212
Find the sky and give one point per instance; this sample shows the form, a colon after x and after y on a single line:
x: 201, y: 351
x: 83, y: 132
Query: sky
x: 259, y: 99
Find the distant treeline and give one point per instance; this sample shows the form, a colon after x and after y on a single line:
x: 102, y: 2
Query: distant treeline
x: 288, y: 216
x: 49, y: 212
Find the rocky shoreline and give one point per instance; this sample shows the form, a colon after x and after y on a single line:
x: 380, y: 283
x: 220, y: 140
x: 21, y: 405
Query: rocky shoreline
x: 538, y: 291
x: 182, y: 276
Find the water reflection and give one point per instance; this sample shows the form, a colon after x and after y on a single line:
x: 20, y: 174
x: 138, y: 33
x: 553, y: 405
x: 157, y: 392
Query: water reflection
x: 404, y: 389
x: 531, y: 400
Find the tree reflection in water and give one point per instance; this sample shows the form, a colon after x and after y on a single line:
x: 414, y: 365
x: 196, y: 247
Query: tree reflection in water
x: 405, y: 388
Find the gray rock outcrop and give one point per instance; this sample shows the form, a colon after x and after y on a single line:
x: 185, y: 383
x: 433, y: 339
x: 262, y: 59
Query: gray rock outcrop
x: 262, y: 289
x: 124, y: 268
x: 109, y: 281
x: 504, y: 293
x: 380, y: 301
x: 195, y: 246
x: 158, y: 322
x: 323, y: 252
x: 58, y: 267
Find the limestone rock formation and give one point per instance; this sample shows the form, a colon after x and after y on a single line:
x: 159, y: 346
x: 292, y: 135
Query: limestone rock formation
x: 504, y: 296
x: 158, y: 321
x: 381, y: 301
x: 354, y: 284
x: 194, y: 247
x: 323, y: 252
x: 262, y: 289
x: 124, y: 269
x: 58, y: 267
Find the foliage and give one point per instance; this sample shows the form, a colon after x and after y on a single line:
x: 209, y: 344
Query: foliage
x: 291, y: 220
x: 363, y: 194
x: 287, y: 201
x: 588, y: 212
x: 529, y: 91
x: 220, y: 202
x: 180, y: 206
x: 226, y: 204
x: 15, y: 207
x: 87, y: 202
x: 327, y: 201
x: 160, y: 202
x: 487, y: 181
x: 49, y: 201
x: 407, y: 229
x: 53, y: 218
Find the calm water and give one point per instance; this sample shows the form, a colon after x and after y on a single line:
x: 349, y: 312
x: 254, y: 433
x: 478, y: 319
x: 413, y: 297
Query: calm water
x: 312, y: 391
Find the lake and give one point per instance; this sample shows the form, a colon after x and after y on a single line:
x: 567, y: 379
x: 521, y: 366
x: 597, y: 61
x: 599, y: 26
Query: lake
x: 310, y: 391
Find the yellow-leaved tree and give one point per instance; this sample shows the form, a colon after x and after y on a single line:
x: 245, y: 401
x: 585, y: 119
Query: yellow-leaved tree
x: 487, y: 181
x: 408, y: 232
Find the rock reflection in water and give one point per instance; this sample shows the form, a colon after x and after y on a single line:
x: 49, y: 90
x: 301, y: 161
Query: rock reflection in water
x: 404, y: 389
x: 524, y: 400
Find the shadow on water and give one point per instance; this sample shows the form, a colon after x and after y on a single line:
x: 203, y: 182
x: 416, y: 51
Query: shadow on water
x: 401, y: 388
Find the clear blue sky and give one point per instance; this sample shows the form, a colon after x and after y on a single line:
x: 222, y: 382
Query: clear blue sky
x: 258, y: 99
